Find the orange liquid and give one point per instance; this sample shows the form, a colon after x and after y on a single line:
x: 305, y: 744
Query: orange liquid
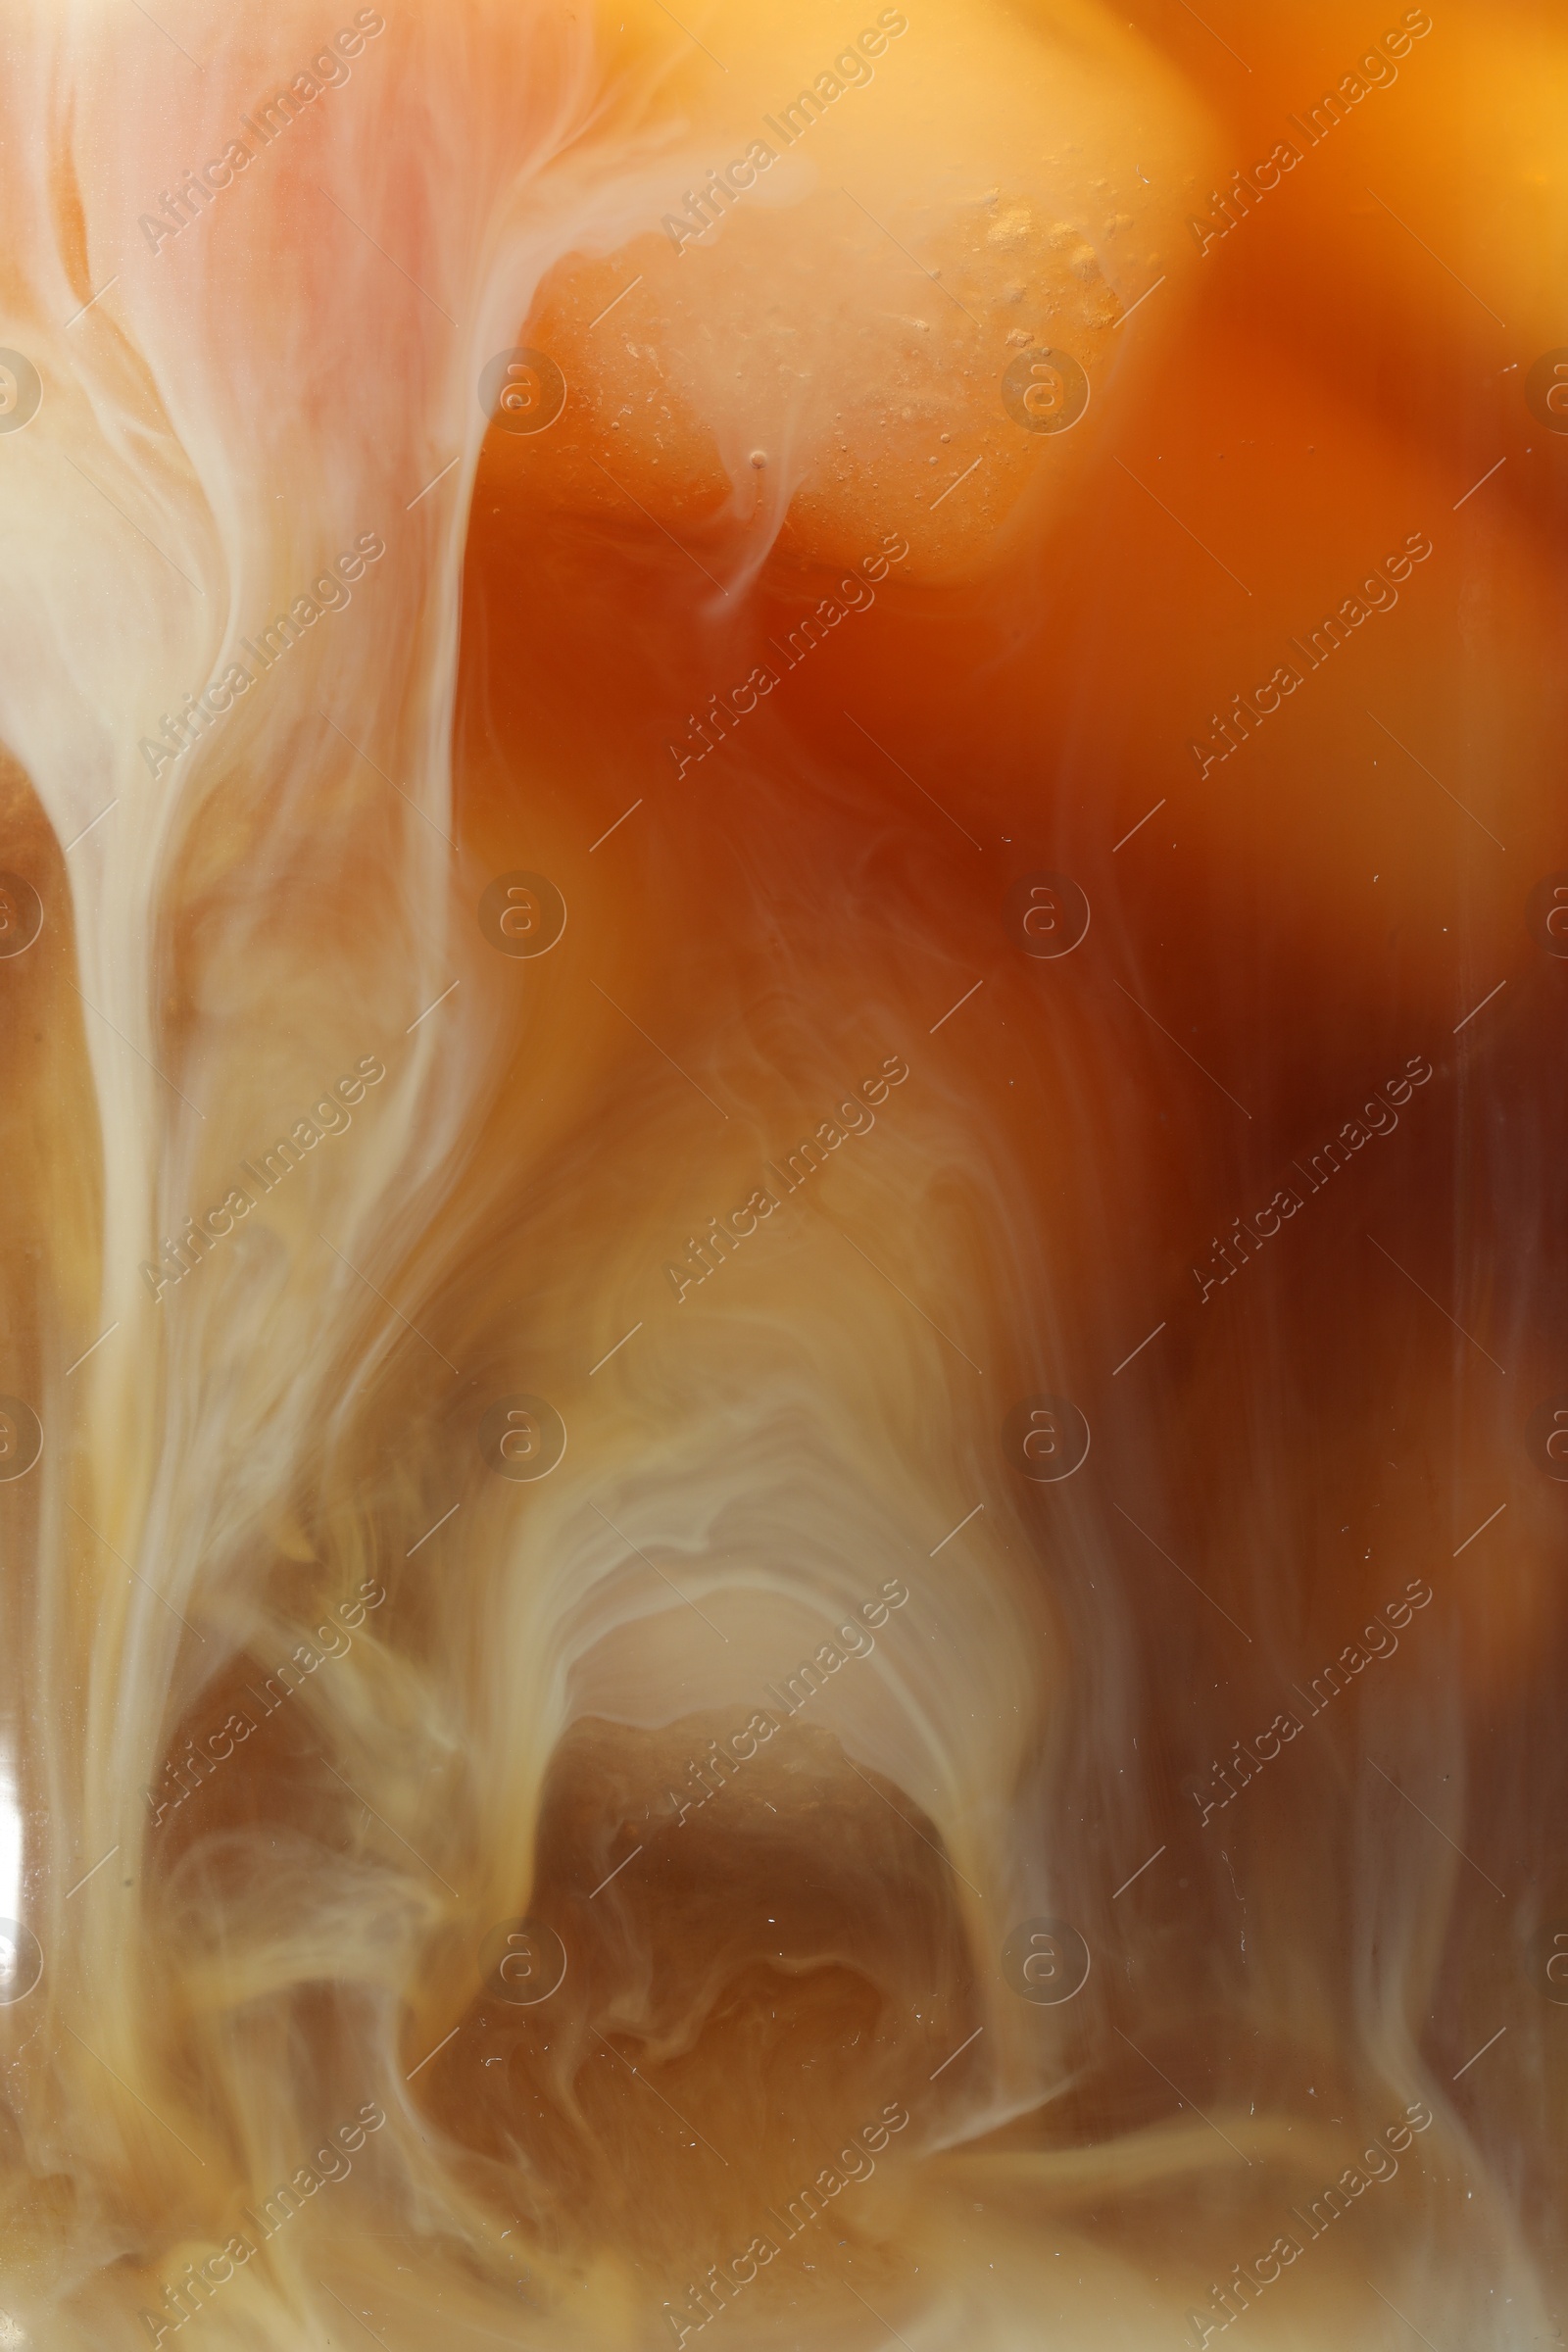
x: 912, y: 1437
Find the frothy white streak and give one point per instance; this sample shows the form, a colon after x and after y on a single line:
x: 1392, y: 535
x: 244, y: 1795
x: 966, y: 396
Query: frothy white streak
x: 245, y: 403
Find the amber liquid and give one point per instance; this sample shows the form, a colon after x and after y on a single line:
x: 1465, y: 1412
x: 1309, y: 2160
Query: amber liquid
x: 983, y: 1733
